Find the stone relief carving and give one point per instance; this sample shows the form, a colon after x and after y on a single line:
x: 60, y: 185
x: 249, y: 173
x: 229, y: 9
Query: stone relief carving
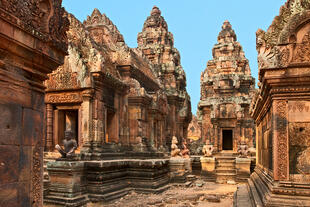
x: 28, y: 15
x: 302, y: 53
x: 281, y: 118
x: 63, y: 98
x: 37, y: 157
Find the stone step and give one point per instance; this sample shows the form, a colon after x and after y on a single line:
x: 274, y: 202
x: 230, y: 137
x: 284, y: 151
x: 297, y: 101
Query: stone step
x: 231, y: 159
x: 227, y: 154
x: 225, y: 174
x: 225, y: 168
x: 225, y: 163
x: 226, y: 171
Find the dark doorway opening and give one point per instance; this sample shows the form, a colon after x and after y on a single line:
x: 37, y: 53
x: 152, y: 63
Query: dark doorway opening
x: 227, y: 140
x: 67, y: 121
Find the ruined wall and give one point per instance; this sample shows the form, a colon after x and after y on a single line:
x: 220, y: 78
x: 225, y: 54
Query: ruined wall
x: 32, y: 44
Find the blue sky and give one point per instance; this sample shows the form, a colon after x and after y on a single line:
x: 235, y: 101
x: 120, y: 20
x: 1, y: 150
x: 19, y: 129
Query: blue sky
x: 195, y: 25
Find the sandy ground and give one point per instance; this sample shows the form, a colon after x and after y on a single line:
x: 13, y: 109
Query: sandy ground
x: 209, y: 194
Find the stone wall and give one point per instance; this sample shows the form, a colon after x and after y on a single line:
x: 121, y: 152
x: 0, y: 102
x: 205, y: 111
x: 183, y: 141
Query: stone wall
x: 32, y: 44
x: 281, y: 109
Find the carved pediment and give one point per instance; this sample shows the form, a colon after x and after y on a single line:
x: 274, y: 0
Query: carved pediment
x: 41, y: 18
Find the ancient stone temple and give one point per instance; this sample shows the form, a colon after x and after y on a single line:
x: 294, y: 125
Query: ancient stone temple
x: 33, y: 43
x: 115, y: 102
x: 157, y: 44
x: 106, y: 93
x: 227, y: 88
x: 281, y: 110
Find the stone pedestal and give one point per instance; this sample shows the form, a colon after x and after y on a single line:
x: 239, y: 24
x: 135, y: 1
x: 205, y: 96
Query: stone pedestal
x: 112, y: 179
x: 67, y: 186
x: 177, y: 170
x: 208, y: 168
x: 188, y: 165
x: 243, y: 166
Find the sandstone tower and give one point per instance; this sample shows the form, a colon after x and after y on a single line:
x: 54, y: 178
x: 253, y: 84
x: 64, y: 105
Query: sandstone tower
x: 227, y: 88
x: 157, y: 44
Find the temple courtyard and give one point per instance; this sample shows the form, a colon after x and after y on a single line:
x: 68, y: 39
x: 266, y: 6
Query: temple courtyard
x: 88, y: 121
x: 198, y: 193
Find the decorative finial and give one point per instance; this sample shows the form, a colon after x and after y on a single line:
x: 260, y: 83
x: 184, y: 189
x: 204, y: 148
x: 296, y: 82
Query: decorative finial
x: 226, y: 25
x: 96, y: 12
x: 155, y: 11
x: 227, y: 31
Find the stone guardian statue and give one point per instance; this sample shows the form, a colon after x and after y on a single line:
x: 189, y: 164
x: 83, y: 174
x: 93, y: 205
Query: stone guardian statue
x: 70, y: 146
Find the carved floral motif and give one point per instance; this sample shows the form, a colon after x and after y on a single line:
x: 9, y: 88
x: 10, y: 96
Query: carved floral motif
x: 62, y: 80
x: 37, y: 173
x: 63, y: 98
x: 302, y: 53
x: 29, y: 15
x: 281, y: 127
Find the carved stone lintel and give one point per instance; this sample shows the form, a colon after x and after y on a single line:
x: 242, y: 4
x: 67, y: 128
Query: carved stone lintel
x: 63, y: 98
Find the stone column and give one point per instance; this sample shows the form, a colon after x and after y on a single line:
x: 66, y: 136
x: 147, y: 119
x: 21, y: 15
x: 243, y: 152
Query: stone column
x: 49, y: 127
x: 280, y: 140
x: 86, y: 119
x: 216, y: 141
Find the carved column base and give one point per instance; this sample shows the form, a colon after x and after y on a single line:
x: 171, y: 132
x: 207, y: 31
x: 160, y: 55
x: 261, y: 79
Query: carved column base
x: 67, y: 187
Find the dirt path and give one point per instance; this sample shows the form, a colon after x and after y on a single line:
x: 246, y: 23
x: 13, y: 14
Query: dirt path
x: 209, y: 194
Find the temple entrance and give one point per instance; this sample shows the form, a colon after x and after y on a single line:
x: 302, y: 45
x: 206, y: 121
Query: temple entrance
x: 111, y: 127
x: 227, y: 140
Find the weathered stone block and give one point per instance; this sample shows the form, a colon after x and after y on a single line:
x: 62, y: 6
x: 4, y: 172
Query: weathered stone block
x: 32, y: 127
x: 67, y: 186
x: 207, y: 164
x: 9, y: 164
x: 243, y: 166
x: 10, y: 122
x: 177, y: 170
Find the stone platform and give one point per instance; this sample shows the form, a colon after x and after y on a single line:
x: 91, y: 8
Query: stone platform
x: 179, y: 169
x: 103, y: 181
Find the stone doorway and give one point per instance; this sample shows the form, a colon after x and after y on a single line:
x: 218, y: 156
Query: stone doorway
x: 227, y: 139
x: 111, y: 131
x: 66, y: 120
